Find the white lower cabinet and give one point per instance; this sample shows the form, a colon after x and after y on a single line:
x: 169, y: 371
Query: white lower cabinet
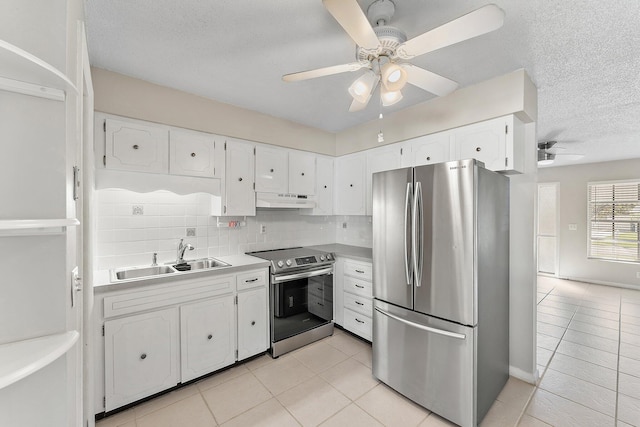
x: 356, y: 291
x: 207, y: 338
x: 253, y: 325
x: 141, y: 356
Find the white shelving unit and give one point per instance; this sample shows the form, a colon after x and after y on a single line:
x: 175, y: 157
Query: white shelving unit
x: 40, y: 237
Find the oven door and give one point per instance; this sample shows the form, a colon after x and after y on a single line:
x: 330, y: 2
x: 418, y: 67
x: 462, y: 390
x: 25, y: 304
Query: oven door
x: 300, y: 301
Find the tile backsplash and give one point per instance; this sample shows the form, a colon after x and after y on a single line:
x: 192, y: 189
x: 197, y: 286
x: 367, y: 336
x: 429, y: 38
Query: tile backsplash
x: 132, y: 226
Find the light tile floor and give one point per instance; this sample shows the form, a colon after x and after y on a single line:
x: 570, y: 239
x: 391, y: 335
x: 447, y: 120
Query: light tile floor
x: 588, y: 360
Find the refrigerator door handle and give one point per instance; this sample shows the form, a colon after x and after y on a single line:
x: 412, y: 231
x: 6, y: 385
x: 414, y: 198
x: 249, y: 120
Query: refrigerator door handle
x: 408, y: 265
x: 423, y: 327
x: 417, y: 233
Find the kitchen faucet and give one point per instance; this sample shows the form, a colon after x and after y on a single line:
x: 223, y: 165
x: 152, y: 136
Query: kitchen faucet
x: 181, y: 248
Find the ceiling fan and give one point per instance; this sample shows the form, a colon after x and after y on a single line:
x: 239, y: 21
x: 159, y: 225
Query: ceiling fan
x: 383, y: 50
x: 547, y: 152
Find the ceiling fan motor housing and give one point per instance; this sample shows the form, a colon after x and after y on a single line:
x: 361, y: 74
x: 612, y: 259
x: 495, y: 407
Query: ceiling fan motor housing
x: 390, y: 38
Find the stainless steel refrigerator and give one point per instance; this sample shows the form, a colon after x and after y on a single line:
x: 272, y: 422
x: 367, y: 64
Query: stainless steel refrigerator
x: 441, y: 286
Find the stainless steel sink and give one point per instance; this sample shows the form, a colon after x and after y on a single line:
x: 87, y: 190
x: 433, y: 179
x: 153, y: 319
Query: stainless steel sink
x: 137, y: 272
x: 205, y: 263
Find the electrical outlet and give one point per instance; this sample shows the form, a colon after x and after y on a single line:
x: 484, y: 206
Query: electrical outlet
x: 137, y: 210
x: 263, y: 228
x: 573, y: 227
x: 638, y: 275
x: 191, y: 232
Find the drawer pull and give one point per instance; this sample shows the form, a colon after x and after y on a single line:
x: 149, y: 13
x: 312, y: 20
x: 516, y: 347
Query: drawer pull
x: 423, y: 327
x: 240, y: 179
x: 428, y: 158
x: 255, y: 279
x: 321, y: 304
x: 478, y: 149
x: 359, y: 286
x: 271, y: 170
x: 359, y: 303
x: 359, y: 321
x: 302, y: 173
x: 193, y: 154
x: 360, y: 271
x: 253, y: 322
x: 135, y: 147
x: 209, y: 336
x: 143, y: 356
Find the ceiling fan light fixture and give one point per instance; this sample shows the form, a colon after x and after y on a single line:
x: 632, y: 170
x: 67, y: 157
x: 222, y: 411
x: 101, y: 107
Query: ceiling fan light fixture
x: 394, y: 77
x: 545, y: 159
x: 363, y: 86
x: 390, y: 97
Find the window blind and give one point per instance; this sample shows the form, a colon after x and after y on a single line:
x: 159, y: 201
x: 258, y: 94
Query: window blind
x: 614, y: 220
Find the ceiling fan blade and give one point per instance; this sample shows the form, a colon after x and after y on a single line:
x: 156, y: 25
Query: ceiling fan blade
x: 321, y: 72
x: 481, y: 21
x: 354, y: 21
x: 431, y: 82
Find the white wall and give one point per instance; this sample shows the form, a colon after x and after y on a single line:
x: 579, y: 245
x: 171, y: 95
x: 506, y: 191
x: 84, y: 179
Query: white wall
x: 573, y: 210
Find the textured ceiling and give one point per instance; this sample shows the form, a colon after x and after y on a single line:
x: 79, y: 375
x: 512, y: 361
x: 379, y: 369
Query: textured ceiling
x: 584, y: 57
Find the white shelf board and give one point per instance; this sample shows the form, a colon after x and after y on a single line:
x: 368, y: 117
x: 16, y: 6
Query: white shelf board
x: 18, y: 64
x: 23, y: 358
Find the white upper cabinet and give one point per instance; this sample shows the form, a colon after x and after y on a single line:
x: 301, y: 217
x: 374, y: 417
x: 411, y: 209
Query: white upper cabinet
x: 498, y: 143
x: 136, y: 147
x: 238, y: 195
x: 350, y: 184
x: 378, y: 160
x: 302, y: 173
x: 193, y: 154
x: 272, y: 169
x: 324, y: 188
x: 428, y: 149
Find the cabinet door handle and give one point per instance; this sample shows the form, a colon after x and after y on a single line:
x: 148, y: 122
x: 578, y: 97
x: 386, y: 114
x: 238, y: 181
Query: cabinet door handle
x: 359, y: 303
x: 428, y: 158
x: 143, y: 356
x: 240, y: 179
x: 255, y: 279
x: 321, y: 304
x: 302, y: 173
x: 193, y: 154
x: 359, y: 286
x: 325, y: 186
x: 135, y: 147
x: 350, y: 185
x: 360, y: 271
x: 359, y: 321
x: 478, y: 149
x: 271, y: 170
x: 253, y: 322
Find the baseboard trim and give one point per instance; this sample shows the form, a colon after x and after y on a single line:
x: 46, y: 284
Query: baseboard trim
x: 600, y: 282
x: 528, y: 377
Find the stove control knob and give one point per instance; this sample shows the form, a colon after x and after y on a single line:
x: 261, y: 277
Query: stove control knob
x: 280, y: 263
x: 329, y: 257
x: 321, y: 257
x: 289, y: 262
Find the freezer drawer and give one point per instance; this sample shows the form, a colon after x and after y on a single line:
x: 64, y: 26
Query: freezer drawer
x: 430, y: 361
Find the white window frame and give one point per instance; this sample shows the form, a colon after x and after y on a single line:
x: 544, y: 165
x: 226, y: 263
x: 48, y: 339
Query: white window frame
x: 612, y: 241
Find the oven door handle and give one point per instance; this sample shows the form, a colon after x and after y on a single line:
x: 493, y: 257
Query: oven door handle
x: 322, y: 272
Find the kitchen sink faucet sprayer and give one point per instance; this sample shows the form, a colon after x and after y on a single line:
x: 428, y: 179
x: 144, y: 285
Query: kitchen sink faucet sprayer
x: 181, y: 248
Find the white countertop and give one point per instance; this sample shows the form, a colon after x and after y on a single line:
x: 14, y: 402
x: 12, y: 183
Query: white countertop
x: 241, y: 262
x: 356, y: 252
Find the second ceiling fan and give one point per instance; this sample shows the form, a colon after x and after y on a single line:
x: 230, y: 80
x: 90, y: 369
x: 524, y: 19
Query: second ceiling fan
x: 383, y: 50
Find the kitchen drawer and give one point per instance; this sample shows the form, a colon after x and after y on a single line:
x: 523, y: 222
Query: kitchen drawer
x: 358, y: 287
x: 133, y: 302
x: 358, y: 304
x: 362, y: 270
x: 359, y: 324
x: 252, y: 279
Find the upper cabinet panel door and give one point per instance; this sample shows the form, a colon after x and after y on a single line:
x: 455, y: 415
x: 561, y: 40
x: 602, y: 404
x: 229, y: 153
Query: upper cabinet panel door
x: 484, y: 141
x: 191, y: 154
x: 240, y: 198
x: 324, y: 187
x: 272, y: 170
x: 430, y: 149
x: 136, y: 147
x: 302, y: 173
x: 378, y: 160
x: 350, y: 185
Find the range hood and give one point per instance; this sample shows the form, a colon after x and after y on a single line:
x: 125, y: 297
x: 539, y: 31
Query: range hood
x: 280, y: 201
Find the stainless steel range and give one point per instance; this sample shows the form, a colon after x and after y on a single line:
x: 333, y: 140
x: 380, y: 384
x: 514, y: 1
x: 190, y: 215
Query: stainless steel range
x: 300, y: 295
